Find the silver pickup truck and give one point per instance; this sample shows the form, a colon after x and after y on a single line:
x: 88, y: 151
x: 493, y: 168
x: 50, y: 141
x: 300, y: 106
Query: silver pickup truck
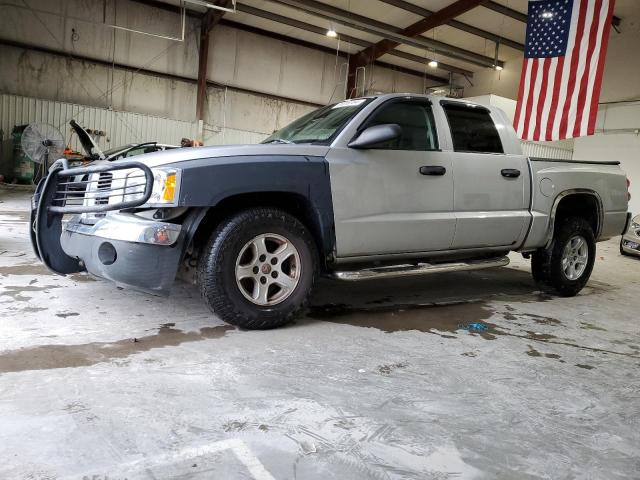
x: 377, y: 187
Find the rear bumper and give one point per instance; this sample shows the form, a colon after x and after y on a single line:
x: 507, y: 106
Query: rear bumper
x: 120, y: 249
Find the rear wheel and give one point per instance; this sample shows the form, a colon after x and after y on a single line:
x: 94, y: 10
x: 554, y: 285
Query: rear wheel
x: 565, y: 267
x: 258, y: 268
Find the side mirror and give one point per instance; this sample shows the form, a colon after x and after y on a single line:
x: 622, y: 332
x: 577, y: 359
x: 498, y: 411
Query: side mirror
x: 372, y: 136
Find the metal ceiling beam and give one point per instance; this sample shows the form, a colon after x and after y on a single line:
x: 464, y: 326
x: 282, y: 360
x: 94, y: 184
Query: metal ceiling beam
x: 509, y: 12
x: 423, y: 12
x: 386, y: 31
x: 348, y: 39
x: 418, y: 28
x: 423, y: 25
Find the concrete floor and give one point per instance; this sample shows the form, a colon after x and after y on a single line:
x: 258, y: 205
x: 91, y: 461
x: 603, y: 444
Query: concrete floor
x: 379, y: 381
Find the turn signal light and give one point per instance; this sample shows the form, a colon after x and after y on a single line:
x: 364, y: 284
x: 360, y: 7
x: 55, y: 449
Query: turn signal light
x: 169, y: 187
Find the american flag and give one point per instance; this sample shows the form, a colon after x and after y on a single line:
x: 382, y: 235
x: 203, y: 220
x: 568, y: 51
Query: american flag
x: 561, y: 76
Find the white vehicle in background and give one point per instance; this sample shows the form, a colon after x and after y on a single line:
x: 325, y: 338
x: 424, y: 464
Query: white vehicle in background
x: 630, y: 242
x: 94, y: 153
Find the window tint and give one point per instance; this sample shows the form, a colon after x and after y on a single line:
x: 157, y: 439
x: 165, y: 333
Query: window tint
x: 321, y: 125
x: 472, y: 129
x: 416, y: 122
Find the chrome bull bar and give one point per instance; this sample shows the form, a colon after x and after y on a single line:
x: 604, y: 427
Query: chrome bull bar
x: 67, y: 198
x: 55, y: 197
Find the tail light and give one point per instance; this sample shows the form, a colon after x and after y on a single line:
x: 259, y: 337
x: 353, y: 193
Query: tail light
x: 628, y: 192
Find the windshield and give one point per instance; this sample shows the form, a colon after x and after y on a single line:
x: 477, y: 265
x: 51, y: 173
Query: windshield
x: 321, y: 125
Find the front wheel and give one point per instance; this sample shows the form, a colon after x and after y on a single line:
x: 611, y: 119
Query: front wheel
x: 565, y: 267
x: 258, y: 268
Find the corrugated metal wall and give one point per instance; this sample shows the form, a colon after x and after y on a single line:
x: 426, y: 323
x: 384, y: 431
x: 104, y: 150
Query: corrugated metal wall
x: 120, y: 127
x: 533, y: 149
x: 126, y: 127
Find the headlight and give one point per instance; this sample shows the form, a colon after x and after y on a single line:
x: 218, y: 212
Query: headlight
x: 166, y: 187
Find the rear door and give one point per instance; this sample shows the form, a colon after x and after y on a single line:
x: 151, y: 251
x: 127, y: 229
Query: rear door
x: 490, y: 193
x: 397, y: 197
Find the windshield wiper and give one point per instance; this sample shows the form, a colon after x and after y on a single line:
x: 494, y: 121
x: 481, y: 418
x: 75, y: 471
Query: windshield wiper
x: 308, y: 140
x: 279, y: 140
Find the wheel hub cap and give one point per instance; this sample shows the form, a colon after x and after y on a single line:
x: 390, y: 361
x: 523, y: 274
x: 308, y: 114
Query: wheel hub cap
x: 575, y: 257
x: 268, y: 269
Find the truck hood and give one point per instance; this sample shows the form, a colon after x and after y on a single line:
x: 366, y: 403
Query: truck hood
x: 177, y: 155
x: 91, y: 149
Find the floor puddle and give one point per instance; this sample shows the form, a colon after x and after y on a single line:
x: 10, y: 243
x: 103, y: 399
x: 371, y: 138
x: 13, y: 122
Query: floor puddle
x: 448, y: 320
x: 24, y: 269
x: 440, y: 319
x: 16, y: 291
x: 47, y: 357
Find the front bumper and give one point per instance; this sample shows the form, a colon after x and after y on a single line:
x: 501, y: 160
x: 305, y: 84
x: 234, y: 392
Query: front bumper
x: 630, y: 243
x: 126, y: 250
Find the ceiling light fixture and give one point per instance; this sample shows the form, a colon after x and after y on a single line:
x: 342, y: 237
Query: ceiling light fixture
x: 498, y: 68
x: 331, y: 33
x: 433, y: 64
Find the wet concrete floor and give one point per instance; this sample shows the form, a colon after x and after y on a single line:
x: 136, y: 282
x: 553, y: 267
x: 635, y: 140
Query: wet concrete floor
x: 461, y: 375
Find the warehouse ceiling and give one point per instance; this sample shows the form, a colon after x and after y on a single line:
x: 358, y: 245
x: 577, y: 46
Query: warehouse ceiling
x: 294, y: 18
x: 380, y: 11
x: 464, y: 45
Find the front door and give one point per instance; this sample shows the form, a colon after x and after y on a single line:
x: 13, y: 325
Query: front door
x: 491, y: 193
x: 398, y: 197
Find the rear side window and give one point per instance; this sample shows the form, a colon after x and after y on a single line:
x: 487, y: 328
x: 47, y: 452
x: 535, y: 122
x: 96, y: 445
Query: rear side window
x: 472, y: 129
x: 416, y: 122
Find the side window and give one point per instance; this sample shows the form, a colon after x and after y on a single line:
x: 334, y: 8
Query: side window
x: 472, y: 129
x: 416, y: 122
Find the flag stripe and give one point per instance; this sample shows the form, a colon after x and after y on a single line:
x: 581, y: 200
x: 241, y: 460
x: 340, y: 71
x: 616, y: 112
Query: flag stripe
x: 573, y: 70
x: 555, y: 99
x: 528, y: 110
x: 527, y: 82
x: 548, y: 98
x: 564, y: 84
x: 523, y: 73
x: 581, y: 97
x: 597, y: 64
x: 544, y: 80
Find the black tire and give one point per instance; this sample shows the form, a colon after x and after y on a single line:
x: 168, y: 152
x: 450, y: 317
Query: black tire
x: 217, y: 268
x: 546, y: 264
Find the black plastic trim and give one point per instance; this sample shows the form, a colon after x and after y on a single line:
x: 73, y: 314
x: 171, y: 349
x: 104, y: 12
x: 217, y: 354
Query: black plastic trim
x: 586, y: 162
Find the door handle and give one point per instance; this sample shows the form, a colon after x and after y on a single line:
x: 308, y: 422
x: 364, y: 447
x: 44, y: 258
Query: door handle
x: 510, y: 172
x: 434, y: 170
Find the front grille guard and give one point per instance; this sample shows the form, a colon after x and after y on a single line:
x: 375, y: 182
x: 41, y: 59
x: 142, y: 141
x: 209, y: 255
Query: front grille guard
x: 67, y: 198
